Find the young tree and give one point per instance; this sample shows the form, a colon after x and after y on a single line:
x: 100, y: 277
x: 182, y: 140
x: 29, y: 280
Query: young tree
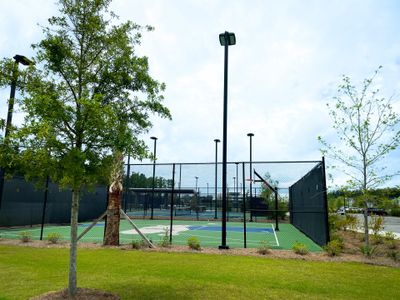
x: 85, y: 104
x: 367, y: 127
x: 266, y: 192
x: 269, y: 196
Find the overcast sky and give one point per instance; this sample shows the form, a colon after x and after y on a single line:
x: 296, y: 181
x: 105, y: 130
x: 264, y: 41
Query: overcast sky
x: 285, y: 67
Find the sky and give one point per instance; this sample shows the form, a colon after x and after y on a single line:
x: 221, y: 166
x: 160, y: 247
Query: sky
x: 286, y: 65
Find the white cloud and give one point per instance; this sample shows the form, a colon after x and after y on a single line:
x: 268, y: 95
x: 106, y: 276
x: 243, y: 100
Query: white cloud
x: 287, y: 63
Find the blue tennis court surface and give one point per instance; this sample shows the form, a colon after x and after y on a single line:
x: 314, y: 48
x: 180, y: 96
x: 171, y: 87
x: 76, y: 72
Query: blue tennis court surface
x: 231, y: 229
x: 207, y: 228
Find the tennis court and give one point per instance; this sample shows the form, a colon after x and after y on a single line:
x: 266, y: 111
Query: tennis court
x: 208, y: 232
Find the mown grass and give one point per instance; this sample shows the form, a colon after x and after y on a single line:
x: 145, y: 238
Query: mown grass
x: 26, y: 272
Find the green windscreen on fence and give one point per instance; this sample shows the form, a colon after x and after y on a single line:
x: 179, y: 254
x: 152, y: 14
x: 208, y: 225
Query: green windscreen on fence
x: 25, y: 204
x: 308, y: 206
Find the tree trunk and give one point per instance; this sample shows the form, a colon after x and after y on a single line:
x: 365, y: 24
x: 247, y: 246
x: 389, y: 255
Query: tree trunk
x: 74, y: 243
x: 111, y: 237
x: 366, y: 229
x: 112, y: 229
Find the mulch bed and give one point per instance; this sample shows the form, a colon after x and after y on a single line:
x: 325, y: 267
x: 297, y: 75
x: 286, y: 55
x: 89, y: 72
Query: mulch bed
x: 351, y: 252
x: 81, y: 294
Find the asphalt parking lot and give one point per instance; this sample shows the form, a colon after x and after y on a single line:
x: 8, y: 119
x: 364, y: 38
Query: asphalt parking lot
x: 389, y: 224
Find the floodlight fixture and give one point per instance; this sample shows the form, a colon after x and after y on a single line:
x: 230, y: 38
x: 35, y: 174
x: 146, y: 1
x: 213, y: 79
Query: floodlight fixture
x: 227, y: 38
x: 23, y: 60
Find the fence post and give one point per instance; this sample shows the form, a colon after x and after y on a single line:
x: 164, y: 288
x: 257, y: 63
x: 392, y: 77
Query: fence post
x: 324, y: 190
x: 128, y: 171
x: 46, y: 191
x: 244, y: 207
x: 172, y: 204
x: 105, y: 217
x: 276, y: 210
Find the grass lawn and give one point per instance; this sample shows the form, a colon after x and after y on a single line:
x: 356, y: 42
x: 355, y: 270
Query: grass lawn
x: 26, y: 272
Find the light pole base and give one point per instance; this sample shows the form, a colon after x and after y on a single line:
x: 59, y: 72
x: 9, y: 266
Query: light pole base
x: 226, y: 247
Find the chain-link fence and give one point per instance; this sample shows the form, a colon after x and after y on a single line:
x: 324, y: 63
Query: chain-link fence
x: 182, y: 191
x: 197, y: 188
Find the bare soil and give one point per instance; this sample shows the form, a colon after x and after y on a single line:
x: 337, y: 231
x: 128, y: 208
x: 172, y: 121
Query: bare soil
x: 82, y: 294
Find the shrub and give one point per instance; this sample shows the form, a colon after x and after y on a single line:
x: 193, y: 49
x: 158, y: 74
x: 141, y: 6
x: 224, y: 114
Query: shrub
x: 391, y: 244
x: 334, y: 247
x: 334, y: 221
x: 351, y: 222
x: 138, y: 244
x: 389, y: 236
x: 393, y: 254
x: 300, y: 248
x: 25, y: 236
x: 395, y: 212
x: 377, y: 239
x: 54, y: 237
x: 368, y: 251
x: 164, y: 242
x: 337, y: 222
x: 376, y: 224
x: 339, y: 238
x: 193, y: 243
x: 263, y: 248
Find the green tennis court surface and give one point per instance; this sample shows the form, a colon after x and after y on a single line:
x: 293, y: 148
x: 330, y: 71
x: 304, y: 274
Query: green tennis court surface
x: 208, y: 232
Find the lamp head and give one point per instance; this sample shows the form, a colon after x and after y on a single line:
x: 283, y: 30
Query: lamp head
x: 250, y: 134
x: 23, y: 60
x: 227, y: 38
x: 217, y: 140
x: 154, y: 138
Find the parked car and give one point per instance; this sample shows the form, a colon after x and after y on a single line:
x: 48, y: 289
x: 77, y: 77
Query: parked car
x: 342, y: 210
x: 354, y: 210
x: 376, y: 211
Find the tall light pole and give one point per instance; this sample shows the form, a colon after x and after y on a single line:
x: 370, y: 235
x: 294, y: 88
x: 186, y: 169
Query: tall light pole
x: 18, y: 59
x: 233, y: 198
x: 237, y: 186
x: 216, y: 178
x: 197, y: 180
x: 250, y: 135
x: 128, y: 173
x: 197, y: 199
x: 226, y: 39
x: 154, y: 174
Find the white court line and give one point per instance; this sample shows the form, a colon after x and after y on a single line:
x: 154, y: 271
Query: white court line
x: 276, y: 238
